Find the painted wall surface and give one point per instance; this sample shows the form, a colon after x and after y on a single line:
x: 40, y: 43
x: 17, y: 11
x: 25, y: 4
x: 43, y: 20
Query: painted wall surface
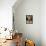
x: 43, y: 22
x: 30, y: 31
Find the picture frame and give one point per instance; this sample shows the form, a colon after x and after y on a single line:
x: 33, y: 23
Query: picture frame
x: 29, y: 19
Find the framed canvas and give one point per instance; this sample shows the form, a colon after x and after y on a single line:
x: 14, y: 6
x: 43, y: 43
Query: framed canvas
x: 29, y: 19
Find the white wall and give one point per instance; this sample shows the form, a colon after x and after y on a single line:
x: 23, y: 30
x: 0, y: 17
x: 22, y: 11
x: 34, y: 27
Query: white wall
x: 6, y: 13
x: 31, y: 31
x: 43, y: 22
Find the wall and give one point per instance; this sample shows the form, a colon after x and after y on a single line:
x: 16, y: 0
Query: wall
x: 6, y: 13
x: 30, y: 31
x: 43, y: 22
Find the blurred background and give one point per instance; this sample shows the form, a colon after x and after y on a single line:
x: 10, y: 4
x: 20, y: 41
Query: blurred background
x: 21, y: 8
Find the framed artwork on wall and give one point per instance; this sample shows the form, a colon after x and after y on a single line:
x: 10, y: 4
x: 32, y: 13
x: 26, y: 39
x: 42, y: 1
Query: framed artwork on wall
x: 29, y: 19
